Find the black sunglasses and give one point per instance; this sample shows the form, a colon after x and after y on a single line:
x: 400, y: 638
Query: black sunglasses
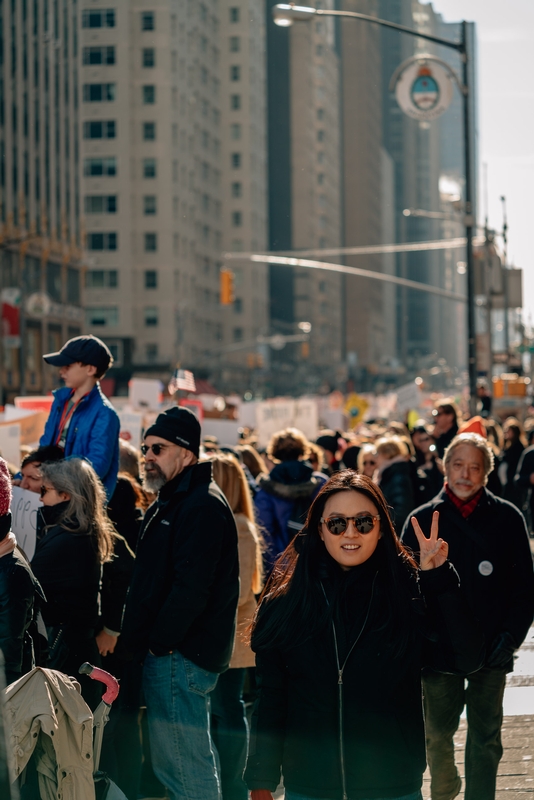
x: 156, y: 448
x: 338, y: 525
x: 45, y: 489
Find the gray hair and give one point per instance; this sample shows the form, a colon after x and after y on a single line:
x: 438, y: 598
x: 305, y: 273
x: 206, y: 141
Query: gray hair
x: 86, y: 508
x: 474, y: 440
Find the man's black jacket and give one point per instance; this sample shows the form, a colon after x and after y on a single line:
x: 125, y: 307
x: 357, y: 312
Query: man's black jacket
x: 491, y: 553
x: 185, y: 586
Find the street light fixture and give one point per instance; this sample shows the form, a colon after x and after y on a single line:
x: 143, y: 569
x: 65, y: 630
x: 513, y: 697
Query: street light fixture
x: 286, y: 14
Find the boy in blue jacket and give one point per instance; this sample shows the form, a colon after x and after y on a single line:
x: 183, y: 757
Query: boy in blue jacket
x: 82, y: 421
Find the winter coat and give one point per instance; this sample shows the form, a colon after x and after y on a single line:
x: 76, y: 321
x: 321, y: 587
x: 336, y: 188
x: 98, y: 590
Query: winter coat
x: 18, y: 591
x: 243, y: 655
x: 525, y: 468
x: 93, y: 433
x: 322, y: 724
x: 185, y: 586
x: 491, y: 553
x: 397, y: 486
x: 285, y: 494
x: 506, y: 469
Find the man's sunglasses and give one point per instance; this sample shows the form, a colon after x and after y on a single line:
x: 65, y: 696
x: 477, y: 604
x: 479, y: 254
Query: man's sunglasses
x: 156, y: 448
x: 338, y: 525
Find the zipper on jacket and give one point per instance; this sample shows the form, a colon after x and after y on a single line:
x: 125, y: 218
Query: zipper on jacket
x: 340, y: 671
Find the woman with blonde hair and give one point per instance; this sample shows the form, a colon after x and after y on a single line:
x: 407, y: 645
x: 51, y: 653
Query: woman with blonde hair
x: 228, y: 719
x: 394, y: 476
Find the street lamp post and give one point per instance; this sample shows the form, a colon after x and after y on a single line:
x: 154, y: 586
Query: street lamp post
x: 285, y: 15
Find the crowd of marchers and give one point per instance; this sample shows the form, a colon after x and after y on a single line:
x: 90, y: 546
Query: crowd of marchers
x: 357, y: 591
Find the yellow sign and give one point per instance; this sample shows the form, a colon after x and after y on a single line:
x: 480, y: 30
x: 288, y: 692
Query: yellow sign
x: 355, y: 407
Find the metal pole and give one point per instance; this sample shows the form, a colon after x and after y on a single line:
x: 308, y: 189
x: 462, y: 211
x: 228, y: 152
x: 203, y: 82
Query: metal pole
x: 469, y: 224
x: 505, y: 281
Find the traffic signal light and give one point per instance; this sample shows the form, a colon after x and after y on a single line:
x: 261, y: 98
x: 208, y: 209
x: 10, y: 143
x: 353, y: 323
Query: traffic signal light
x: 227, y: 287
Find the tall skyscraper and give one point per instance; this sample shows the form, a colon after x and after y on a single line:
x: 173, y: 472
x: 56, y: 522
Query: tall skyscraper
x: 305, y: 200
x: 39, y: 183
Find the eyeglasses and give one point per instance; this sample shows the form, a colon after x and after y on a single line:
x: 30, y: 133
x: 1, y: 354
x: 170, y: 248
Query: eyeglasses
x: 45, y: 489
x: 369, y: 463
x: 338, y: 525
x: 156, y: 448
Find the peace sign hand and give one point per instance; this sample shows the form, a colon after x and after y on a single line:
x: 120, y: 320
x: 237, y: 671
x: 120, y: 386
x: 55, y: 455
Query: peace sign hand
x: 433, y: 552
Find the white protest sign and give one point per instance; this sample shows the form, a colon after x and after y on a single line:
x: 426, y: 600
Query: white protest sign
x: 145, y: 393
x: 10, y: 442
x: 408, y: 397
x: 24, y: 509
x: 131, y: 424
x: 275, y: 415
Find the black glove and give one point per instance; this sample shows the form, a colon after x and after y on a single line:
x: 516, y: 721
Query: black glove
x: 501, y: 651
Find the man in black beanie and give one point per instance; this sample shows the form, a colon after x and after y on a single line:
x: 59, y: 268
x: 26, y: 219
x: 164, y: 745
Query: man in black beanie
x: 181, y: 608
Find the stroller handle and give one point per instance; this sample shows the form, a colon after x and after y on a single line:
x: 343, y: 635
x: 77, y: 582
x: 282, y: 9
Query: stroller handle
x: 110, y: 682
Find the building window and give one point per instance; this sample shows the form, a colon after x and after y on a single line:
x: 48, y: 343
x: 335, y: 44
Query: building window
x: 235, y: 131
x: 237, y: 219
x: 151, y: 353
x: 320, y: 136
x: 101, y: 204
x: 235, y: 72
x: 151, y: 279
x: 99, y: 92
x: 235, y: 102
x: 149, y: 204
x: 320, y: 178
x: 238, y: 305
x: 98, y: 19
x: 148, y: 21
x: 149, y: 131
x: 99, y: 167
x: 151, y: 242
x: 149, y: 168
x: 149, y: 94
x: 102, y: 317
x: 234, y: 14
x: 101, y: 279
x: 235, y: 44
x: 151, y: 317
x: 99, y: 55
x: 320, y: 157
x: 238, y: 334
x: 102, y: 241
x: 320, y: 113
x: 237, y: 189
x: 236, y: 160
x: 149, y: 57
x: 99, y: 129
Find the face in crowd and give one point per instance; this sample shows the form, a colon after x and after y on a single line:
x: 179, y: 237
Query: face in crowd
x: 350, y: 547
x: 465, y: 471
x: 163, y: 461
x: 31, y: 477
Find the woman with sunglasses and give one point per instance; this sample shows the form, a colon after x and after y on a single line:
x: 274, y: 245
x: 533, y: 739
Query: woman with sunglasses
x: 74, y: 539
x: 341, y: 634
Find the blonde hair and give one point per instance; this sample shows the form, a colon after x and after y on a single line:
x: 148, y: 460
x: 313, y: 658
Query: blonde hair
x: 87, y: 504
x: 390, y: 447
x: 228, y: 474
x: 366, y: 449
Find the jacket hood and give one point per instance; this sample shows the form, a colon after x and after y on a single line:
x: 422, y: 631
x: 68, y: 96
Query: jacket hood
x: 290, y: 480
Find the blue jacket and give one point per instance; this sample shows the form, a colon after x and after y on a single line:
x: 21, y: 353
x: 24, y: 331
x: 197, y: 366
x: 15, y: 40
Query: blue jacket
x: 93, y: 433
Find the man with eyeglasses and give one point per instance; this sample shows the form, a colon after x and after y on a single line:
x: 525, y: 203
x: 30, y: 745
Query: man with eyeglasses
x: 181, y: 609
x: 489, y: 547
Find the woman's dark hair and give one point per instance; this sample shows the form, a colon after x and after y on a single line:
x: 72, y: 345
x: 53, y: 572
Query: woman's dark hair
x: 292, y: 608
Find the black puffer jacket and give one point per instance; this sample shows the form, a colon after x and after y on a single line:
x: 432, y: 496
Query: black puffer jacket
x: 18, y: 592
x: 396, y: 483
x: 491, y: 552
x: 185, y: 585
x: 379, y: 744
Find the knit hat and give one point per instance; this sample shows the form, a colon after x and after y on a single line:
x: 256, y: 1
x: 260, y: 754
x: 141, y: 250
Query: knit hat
x: 178, y: 425
x: 5, y: 489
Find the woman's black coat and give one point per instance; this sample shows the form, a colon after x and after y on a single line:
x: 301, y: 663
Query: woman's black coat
x: 397, y: 486
x: 295, y: 723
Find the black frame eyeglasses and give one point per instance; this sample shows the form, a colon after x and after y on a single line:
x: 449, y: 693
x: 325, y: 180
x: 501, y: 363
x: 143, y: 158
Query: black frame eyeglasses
x: 156, y: 448
x: 339, y: 524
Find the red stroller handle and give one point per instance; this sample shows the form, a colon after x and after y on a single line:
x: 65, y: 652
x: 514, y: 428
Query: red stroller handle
x: 110, y: 682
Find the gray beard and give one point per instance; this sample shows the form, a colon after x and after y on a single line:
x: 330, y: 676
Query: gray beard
x: 153, y: 482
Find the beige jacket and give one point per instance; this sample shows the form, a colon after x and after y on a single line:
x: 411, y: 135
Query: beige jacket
x: 46, y: 713
x: 243, y: 655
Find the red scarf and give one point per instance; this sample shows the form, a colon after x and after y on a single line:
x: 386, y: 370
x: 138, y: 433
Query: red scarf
x: 465, y: 507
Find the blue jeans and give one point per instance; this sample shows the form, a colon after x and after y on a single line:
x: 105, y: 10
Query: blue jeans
x: 178, y: 706
x: 414, y: 796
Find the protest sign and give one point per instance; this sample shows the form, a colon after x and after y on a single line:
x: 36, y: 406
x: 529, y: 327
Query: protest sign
x: 275, y: 415
x: 145, y: 393
x: 32, y: 423
x: 408, y: 397
x: 10, y: 442
x: 131, y: 425
x: 24, y: 509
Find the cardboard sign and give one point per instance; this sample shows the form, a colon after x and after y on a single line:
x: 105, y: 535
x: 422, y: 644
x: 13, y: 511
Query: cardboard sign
x: 32, y: 424
x: 24, y: 510
x: 275, y: 415
x: 145, y: 393
x: 10, y: 442
x: 408, y: 397
x: 131, y: 425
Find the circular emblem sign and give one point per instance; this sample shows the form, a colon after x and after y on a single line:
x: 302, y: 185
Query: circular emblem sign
x: 485, y: 568
x: 424, y: 90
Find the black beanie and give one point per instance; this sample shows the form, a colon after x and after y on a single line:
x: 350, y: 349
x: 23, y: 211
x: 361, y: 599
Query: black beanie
x: 177, y: 425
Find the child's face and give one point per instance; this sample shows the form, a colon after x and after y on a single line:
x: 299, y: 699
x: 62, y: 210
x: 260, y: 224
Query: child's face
x: 75, y: 375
